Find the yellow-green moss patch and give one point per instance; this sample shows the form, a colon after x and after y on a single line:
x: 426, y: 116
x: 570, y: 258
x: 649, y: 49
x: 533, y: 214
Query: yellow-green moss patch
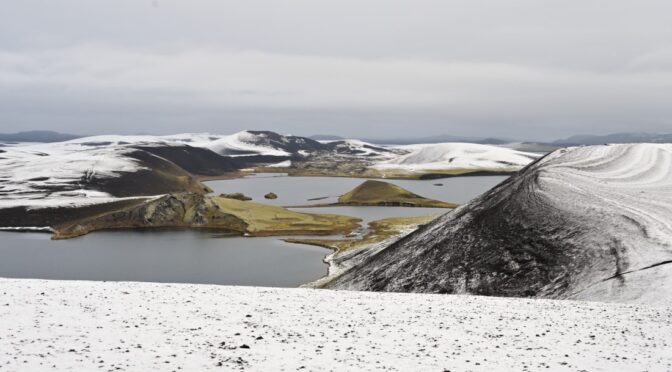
x: 264, y: 219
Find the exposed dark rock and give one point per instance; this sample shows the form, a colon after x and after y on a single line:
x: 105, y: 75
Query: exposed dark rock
x: 195, y: 160
x: 28, y: 217
x: 179, y: 210
x: 271, y: 195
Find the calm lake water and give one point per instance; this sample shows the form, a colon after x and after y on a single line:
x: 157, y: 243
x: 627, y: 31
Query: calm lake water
x: 298, y: 190
x: 182, y: 256
x: 194, y: 256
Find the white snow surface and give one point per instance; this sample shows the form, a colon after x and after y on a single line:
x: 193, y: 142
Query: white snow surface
x: 627, y: 190
x: 28, y: 228
x: 282, y: 164
x: 448, y: 156
x: 86, y: 326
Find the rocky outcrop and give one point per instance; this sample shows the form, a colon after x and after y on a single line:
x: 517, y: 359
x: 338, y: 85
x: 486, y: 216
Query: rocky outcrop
x: 194, y: 210
x: 271, y: 195
x: 179, y: 210
x: 581, y: 223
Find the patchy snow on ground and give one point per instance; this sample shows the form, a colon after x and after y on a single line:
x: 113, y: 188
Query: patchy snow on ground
x: 28, y: 229
x: 282, y: 164
x: 86, y: 326
x: 447, y: 156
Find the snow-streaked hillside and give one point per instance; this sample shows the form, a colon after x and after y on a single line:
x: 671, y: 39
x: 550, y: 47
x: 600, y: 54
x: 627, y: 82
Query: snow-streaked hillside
x: 237, y: 144
x: 449, y: 156
x: 70, y: 173
x: 588, y: 223
x: 51, y: 174
x: 242, y: 143
x: 60, y: 325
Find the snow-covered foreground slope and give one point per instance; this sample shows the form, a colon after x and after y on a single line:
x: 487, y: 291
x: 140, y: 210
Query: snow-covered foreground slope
x: 80, y: 326
x: 589, y: 223
x: 450, y: 156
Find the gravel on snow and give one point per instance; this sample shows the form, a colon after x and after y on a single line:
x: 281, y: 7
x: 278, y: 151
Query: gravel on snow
x: 111, y: 326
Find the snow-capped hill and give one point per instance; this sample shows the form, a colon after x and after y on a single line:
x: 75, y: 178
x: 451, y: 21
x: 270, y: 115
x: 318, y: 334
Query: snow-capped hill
x: 361, y: 148
x: 447, y: 156
x: 100, y: 169
x: 114, y: 140
x: 262, y: 143
x: 53, y: 173
x: 273, y: 144
x: 582, y: 223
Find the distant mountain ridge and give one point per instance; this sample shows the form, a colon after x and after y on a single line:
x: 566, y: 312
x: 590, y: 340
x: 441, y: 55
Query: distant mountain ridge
x: 326, y: 137
x: 44, y: 136
x: 442, y: 138
x: 627, y: 137
x: 275, y: 140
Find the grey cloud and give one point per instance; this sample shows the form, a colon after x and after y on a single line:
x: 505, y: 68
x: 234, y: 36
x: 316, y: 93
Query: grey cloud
x: 519, y: 68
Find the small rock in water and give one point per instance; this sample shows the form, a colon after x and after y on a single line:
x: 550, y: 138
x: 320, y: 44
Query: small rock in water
x: 438, y: 184
x: 271, y: 195
x: 236, y: 195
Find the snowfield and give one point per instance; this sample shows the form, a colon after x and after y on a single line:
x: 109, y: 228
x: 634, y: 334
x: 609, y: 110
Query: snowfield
x: 80, y: 326
x: 449, y: 156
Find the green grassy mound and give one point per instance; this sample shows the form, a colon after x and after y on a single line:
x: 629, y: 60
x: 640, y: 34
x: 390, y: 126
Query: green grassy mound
x: 379, y: 193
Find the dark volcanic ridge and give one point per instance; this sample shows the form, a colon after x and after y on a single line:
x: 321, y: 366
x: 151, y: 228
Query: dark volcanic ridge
x: 581, y: 223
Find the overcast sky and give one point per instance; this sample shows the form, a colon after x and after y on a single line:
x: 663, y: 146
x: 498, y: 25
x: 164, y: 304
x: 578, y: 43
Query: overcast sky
x: 527, y: 69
